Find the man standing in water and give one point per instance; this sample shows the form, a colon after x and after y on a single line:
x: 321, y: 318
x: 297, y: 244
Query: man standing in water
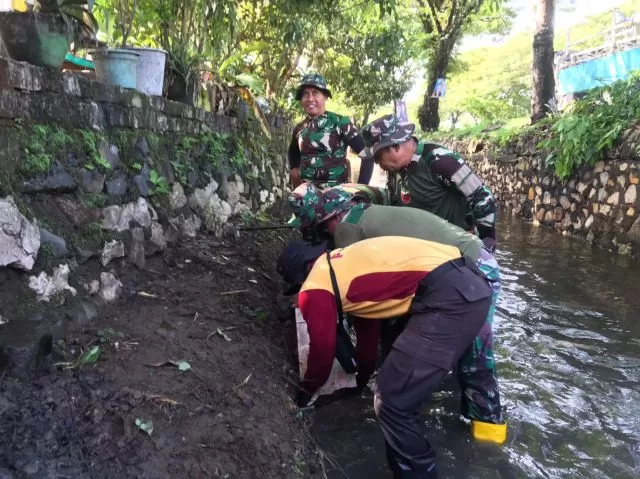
x: 446, y: 299
x: 318, y: 149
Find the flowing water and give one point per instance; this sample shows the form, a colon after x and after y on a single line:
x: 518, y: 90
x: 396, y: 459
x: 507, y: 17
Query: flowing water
x: 568, y: 346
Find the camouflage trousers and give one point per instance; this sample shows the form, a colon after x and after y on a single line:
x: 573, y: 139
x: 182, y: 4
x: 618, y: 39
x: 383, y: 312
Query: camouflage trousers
x: 477, y: 367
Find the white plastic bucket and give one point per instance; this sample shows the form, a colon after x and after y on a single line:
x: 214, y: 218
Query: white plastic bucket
x: 150, y: 70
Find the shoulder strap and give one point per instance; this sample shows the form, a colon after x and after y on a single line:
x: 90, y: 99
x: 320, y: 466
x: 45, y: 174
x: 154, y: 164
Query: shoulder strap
x: 336, y: 290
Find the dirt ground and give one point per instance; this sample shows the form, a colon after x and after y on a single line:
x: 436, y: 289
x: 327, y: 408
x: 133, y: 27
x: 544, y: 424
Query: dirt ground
x: 208, y: 302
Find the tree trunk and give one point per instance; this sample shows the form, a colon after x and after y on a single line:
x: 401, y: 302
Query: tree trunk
x: 429, y: 114
x: 544, y: 84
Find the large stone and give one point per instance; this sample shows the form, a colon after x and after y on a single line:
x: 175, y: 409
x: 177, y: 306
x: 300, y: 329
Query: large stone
x: 577, y: 224
x: 623, y: 166
x: 19, y: 239
x: 75, y: 212
x: 191, y: 226
x: 599, y: 167
x: 605, y: 209
x: 564, y: 202
x: 136, y: 249
x: 57, y: 180
x: 177, y: 198
x: 604, y: 178
x: 582, y: 187
x: 631, y: 195
x: 631, y: 212
x: 157, y: 242
x: 141, y: 181
x: 213, y: 210
x: 622, y: 180
x: 548, y: 217
x: 117, y: 186
x: 82, y: 315
x: 110, y: 154
x: 614, y: 199
x: 110, y: 287
x: 634, y: 232
x: 142, y: 148
x: 538, y: 191
x: 48, y: 286
x: 540, y: 214
x: 602, y: 195
x: 58, y: 244
x: 92, y: 181
x: 112, y: 250
x: 588, y: 222
x: 634, y: 178
x: 121, y: 218
x: 558, y: 213
x: 546, y: 198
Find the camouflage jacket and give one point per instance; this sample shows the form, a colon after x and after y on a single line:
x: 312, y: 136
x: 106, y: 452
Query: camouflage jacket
x: 438, y: 180
x: 319, y: 148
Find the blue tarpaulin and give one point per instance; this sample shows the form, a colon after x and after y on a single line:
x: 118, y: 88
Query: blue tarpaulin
x: 599, y: 72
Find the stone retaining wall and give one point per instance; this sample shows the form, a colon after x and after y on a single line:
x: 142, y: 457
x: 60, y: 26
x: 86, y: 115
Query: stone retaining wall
x: 600, y: 203
x: 93, y: 174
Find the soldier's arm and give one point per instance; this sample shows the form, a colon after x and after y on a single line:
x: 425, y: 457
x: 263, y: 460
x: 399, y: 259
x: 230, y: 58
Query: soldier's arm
x: 351, y: 136
x: 346, y: 234
x: 455, y: 172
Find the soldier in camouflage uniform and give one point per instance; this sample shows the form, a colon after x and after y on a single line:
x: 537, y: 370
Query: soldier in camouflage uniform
x: 318, y: 149
x: 431, y: 177
x: 349, y: 222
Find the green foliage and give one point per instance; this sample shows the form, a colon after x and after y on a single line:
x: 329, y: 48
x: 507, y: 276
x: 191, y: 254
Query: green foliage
x: 583, y: 133
x: 41, y: 143
x: 159, y: 185
x: 181, y: 171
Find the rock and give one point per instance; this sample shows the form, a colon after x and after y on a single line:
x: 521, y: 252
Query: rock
x: 631, y: 212
x: 619, y: 217
x: 58, y: 244
x: 566, y: 223
x: 177, y: 198
x: 57, y: 180
x: 564, y: 202
x: 605, y: 209
x: 84, y: 255
x: 599, y: 167
x: 572, y: 184
x: 191, y: 226
x: 112, y: 250
x: 602, y: 194
x: 573, y: 207
x: 631, y: 195
x: 634, y: 232
x: 592, y: 193
x: 76, y: 213
x: 264, y: 195
x: 141, y: 181
x: 531, y: 194
x: 614, y: 199
x: 72, y: 160
x: 241, y: 209
x: 157, y: 242
x: 136, y: 250
x: 604, y: 178
x: 92, y: 181
x: 120, y: 218
x: 595, y: 207
x: 142, y: 148
x: 548, y: 217
x: 546, y: 181
x: 546, y: 198
x: 233, y: 193
x: 25, y: 344
x: 611, y: 182
x: 110, y: 287
x: 214, y: 211
x: 83, y: 314
x: 588, y: 222
x: 634, y: 179
x: 582, y: 187
x: 117, y: 186
x: 93, y: 287
x: 622, y: 180
x: 110, y: 154
x: 577, y: 224
x: 538, y: 191
x: 558, y: 213
x: 46, y: 287
x: 19, y: 239
x: 540, y: 214
x: 623, y: 166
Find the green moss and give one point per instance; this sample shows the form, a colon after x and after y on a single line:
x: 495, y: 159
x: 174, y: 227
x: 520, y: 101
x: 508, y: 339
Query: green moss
x: 91, y: 238
x: 46, y: 260
x: 94, y: 201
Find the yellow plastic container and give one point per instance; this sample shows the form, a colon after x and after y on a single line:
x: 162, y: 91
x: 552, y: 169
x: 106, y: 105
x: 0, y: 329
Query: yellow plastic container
x: 486, y: 431
x: 19, y: 5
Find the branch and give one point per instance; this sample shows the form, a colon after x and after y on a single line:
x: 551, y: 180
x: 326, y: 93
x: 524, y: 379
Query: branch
x: 454, y: 9
x: 434, y: 15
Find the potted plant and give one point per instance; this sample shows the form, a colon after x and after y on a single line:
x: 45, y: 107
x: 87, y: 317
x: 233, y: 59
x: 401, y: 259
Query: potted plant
x: 42, y: 34
x: 182, y: 74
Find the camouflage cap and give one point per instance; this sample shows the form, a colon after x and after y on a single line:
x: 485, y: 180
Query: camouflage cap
x: 386, y: 131
x: 314, y: 80
x: 312, y: 207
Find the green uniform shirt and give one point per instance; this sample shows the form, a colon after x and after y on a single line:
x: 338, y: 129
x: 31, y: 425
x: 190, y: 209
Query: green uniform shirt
x: 366, y: 221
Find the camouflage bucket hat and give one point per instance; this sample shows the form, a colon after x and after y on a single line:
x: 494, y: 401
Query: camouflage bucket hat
x: 314, y: 80
x: 312, y: 207
x: 386, y: 131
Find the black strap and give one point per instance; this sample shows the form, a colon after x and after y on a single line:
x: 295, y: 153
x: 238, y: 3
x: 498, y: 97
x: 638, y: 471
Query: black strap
x: 345, y: 351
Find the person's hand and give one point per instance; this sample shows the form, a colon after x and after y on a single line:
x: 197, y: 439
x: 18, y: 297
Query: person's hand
x: 490, y: 244
x: 296, y: 179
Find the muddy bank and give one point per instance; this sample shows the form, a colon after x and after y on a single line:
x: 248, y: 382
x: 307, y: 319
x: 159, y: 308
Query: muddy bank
x: 208, y: 302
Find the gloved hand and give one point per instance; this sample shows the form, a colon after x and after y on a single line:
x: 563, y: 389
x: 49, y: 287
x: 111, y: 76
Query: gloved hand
x: 304, y: 399
x: 490, y: 244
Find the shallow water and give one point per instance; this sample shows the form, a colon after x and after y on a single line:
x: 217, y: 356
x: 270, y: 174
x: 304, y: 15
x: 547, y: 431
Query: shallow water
x: 568, y: 346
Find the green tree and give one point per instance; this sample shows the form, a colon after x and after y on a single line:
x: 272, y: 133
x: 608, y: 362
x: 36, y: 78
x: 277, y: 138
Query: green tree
x: 544, y: 83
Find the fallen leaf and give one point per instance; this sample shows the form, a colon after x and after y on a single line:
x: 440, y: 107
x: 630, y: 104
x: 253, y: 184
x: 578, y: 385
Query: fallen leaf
x: 144, y: 294
x: 225, y: 336
x: 146, y: 426
x: 253, y: 281
x: 90, y: 356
